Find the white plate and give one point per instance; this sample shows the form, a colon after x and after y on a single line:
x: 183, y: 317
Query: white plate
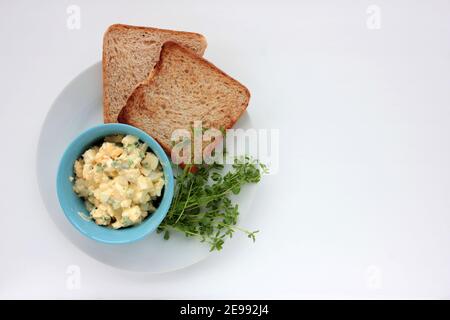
x: 78, y: 107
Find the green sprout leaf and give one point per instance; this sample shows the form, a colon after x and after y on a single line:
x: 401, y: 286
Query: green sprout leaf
x: 202, y: 205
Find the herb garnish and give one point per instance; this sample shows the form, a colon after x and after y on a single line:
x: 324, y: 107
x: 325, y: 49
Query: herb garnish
x: 202, y: 207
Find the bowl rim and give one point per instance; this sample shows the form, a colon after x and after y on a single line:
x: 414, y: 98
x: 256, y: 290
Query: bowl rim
x: 159, y: 152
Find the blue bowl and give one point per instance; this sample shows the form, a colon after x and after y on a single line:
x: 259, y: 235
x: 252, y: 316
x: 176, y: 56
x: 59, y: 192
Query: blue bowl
x: 72, y: 205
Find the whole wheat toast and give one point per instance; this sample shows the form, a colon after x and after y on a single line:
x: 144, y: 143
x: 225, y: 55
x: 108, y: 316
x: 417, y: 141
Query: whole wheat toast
x: 183, y: 88
x: 129, y: 55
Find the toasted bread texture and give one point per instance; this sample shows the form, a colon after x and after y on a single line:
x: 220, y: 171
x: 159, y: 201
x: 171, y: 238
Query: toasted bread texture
x: 129, y: 55
x: 183, y: 88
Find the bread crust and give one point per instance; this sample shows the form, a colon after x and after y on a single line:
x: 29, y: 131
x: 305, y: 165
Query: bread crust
x: 169, y: 44
x: 106, y: 106
x: 125, y: 114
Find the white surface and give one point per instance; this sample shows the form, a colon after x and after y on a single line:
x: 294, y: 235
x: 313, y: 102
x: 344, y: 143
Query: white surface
x: 360, y: 206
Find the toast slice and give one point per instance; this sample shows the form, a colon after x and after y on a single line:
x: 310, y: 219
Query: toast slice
x: 129, y: 55
x: 183, y: 88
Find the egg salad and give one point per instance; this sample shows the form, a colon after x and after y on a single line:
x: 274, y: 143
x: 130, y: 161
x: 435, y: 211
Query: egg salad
x: 119, y: 181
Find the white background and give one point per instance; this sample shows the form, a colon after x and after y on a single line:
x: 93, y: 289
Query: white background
x: 360, y: 207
